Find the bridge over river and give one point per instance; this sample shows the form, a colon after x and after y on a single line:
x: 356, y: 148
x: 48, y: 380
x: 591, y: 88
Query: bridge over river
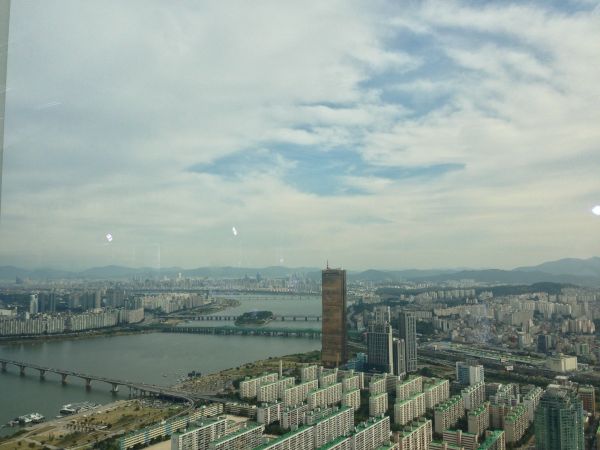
x: 232, y: 318
x: 248, y: 331
x: 137, y: 389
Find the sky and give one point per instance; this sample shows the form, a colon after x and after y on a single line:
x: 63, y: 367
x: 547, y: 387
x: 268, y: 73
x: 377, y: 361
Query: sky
x: 379, y: 134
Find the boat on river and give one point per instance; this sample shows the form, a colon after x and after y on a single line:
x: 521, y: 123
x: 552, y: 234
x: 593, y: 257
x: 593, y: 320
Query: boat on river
x: 30, y: 418
x: 74, y: 408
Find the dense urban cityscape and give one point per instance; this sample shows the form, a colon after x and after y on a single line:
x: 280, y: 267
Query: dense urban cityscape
x: 412, y: 365
x: 316, y: 225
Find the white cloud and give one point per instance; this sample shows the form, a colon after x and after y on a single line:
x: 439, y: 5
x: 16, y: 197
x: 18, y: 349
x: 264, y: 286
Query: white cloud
x: 141, y: 91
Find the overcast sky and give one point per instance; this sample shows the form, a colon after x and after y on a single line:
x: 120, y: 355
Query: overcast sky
x: 392, y: 134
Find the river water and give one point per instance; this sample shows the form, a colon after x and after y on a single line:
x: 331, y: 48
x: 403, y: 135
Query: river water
x: 158, y: 358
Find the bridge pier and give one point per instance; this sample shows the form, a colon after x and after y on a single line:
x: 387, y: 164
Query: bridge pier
x: 115, y: 388
x: 88, y: 383
x: 63, y: 377
x: 3, y: 366
x: 22, y: 371
x: 42, y: 374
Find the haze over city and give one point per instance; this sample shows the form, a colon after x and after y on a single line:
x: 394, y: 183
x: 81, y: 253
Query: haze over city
x: 388, y: 134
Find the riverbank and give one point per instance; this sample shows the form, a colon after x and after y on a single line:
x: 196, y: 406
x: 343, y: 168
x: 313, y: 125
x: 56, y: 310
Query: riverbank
x: 88, y: 428
x: 101, y: 332
x: 211, y: 308
x: 222, y: 381
x: 141, y: 328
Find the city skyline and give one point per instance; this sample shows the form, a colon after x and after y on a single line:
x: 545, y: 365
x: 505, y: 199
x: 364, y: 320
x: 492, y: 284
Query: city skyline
x: 409, y: 132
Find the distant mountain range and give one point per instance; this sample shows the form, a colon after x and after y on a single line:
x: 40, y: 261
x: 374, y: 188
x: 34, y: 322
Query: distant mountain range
x: 583, y: 272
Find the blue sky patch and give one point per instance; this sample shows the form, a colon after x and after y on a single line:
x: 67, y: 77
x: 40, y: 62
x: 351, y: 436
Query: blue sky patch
x: 316, y: 171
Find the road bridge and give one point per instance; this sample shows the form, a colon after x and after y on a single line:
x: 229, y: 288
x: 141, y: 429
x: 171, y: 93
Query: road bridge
x: 135, y: 388
x: 247, y: 331
x: 232, y: 318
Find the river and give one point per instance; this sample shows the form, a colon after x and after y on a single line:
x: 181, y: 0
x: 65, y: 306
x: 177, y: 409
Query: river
x: 158, y: 358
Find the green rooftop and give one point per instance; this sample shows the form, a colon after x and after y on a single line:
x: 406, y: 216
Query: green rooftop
x: 515, y: 414
x: 480, y: 410
x: 448, y: 403
x: 281, y: 438
x: 333, y: 443
x: 441, y: 445
x: 413, y: 427
x: 334, y: 413
x: 237, y: 433
x: 412, y: 397
x: 435, y: 382
x: 490, y: 439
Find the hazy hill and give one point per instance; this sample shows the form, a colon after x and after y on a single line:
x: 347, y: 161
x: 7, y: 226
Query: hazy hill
x: 583, y: 272
x: 568, y: 266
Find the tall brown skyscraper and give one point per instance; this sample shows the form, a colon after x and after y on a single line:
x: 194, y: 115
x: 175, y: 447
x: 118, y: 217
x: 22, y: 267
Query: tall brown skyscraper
x: 333, y: 339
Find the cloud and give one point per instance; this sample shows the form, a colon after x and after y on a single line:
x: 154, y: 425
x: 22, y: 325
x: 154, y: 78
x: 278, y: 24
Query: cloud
x: 438, y: 133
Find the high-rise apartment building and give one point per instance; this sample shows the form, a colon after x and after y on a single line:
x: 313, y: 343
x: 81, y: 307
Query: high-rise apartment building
x: 333, y: 338
x: 383, y: 314
x: 416, y: 435
x: 378, y: 404
x: 494, y: 440
x: 399, y: 356
x: 33, y: 304
x: 469, y: 374
x: 379, y: 346
x: 587, y: 394
x: 407, y: 331
x: 544, y: 343
x: 559, y: 420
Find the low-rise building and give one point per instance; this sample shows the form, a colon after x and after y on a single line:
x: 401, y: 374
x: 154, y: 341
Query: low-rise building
x: 562, y: 364
x: 240, y: 409
x: 459, y: 438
